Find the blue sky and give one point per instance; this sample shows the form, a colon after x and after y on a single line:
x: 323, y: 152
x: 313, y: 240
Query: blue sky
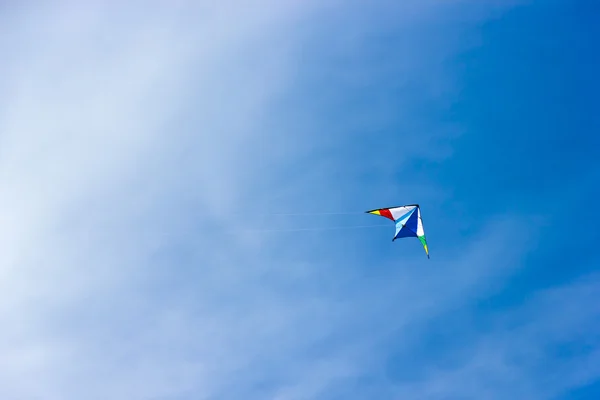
x: 144, y: 156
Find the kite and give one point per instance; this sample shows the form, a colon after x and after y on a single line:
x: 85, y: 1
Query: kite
x: 408, y: 222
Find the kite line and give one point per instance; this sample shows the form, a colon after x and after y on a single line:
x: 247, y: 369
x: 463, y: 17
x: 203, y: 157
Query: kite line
x: 305, y: 213
x: 313, y: 229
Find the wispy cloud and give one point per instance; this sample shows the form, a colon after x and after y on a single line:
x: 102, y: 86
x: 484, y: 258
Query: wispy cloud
x: 91, y: 126
x: 132, y: 146
x: 536, y: 351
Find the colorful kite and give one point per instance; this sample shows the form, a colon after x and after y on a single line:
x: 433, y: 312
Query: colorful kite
x: 408, y: 222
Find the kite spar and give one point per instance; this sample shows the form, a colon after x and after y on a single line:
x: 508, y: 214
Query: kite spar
x: 408, y: 222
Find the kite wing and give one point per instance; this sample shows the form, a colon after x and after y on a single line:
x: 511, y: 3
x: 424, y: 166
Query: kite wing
x: 408, y: 222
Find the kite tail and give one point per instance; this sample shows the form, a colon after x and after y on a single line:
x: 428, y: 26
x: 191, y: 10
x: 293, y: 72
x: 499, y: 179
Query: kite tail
x: 424, y: 243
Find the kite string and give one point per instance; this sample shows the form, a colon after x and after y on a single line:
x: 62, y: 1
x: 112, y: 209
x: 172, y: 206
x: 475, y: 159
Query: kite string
x: 314, y: 229
x: 305, y: 213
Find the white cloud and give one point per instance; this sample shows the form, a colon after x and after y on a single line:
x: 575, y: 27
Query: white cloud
x: 126, y: 135
x: 92, y: 100
x: 537, y: 350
